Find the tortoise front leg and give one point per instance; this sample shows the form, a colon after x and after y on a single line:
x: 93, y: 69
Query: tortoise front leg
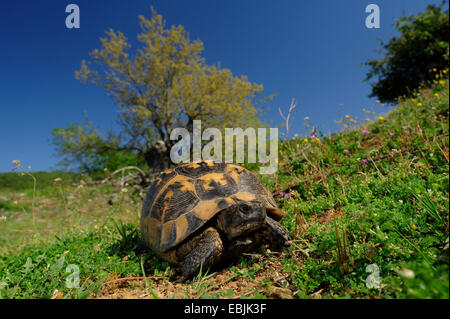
x: 239, y: 246
x: 203, y: 251
x: 272, y: 233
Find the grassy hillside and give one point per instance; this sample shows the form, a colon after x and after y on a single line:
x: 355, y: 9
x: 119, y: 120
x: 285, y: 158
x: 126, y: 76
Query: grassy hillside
x: 386, y: 183
x: 367, y: 209
x: 16, y: 182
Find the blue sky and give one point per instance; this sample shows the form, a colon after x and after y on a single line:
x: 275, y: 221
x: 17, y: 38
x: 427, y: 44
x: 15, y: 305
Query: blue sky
x: 310, y: 50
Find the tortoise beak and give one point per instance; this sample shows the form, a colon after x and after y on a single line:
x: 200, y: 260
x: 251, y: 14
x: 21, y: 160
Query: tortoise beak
x: 275, y: 213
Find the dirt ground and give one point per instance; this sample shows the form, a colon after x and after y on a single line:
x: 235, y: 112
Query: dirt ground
x: 216, y: 286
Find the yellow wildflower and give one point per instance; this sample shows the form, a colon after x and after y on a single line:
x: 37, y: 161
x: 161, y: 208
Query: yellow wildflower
x: 381, y: 118
x: 436, y: 94
x: 305, y: 140
x: 347, y: 116
x: 419, y: 104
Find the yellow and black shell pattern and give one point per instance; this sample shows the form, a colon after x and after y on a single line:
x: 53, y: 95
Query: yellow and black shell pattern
x: 182, y: 199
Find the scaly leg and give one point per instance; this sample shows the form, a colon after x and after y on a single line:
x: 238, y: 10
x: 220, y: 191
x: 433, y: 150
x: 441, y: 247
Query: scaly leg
x: 204, y: 250
x: 272, y: 233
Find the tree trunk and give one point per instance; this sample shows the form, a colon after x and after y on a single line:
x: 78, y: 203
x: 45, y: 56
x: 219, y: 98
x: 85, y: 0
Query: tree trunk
x: 158, y: 157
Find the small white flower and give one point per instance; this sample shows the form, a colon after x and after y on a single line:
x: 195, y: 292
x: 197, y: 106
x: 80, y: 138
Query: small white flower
x: 124, y: 190
x: 3, y: 219
x: 400, y: 201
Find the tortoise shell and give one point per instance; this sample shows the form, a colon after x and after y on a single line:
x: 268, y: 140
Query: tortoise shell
x: 182, y: 199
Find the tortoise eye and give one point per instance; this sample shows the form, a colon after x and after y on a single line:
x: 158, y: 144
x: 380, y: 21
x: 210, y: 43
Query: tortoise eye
x: 245, y: 209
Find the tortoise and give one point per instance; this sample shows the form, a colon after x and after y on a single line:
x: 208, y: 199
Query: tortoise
x: 204, y: 214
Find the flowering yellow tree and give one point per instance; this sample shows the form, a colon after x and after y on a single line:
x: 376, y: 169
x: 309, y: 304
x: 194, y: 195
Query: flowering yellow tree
x: 161, y: 85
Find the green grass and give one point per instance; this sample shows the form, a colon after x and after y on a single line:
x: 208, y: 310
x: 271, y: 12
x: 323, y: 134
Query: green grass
x: 37, y: 272
x: 16, y: 182
x: 58, y: 209
x: 394, y: 204
x: 387, y: 195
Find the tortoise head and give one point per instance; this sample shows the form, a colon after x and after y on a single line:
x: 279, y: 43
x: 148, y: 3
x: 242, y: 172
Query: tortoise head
x: 241, y: 219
